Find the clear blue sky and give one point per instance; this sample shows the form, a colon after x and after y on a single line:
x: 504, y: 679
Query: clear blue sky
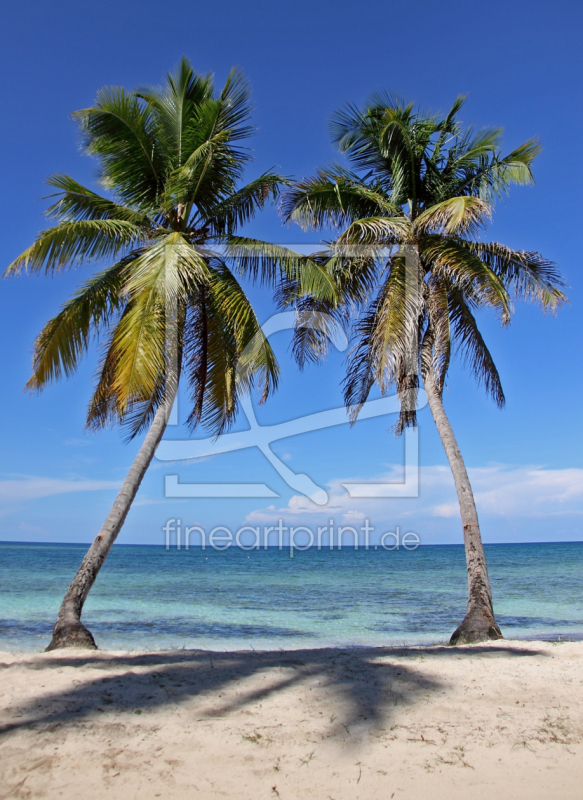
x: 519, y: 64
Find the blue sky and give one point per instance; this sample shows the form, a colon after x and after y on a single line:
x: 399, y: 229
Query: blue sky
x: 521, y: 69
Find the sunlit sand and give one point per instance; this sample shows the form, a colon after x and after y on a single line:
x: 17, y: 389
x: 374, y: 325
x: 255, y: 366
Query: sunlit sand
x: 502, y: 720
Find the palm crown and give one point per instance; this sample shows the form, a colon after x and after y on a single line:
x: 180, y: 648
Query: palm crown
x: 171, y: 159
x: 422, y: 187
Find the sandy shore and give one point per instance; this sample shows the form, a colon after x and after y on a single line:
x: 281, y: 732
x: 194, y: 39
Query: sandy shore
x: 496, y: 721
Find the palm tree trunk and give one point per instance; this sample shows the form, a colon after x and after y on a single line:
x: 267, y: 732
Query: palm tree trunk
x: 479, y: 624
x: 69, y: 631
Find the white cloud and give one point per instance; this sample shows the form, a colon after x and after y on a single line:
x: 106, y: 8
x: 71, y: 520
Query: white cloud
x: 528, y: 491
x: 32, y: 487
x: 446, y: 510
x: 500, y: 490
x: 25, y: 527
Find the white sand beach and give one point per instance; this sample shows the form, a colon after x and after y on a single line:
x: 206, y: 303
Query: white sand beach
x: 502, y: 720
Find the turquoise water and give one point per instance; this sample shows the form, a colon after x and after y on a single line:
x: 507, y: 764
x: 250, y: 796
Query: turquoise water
x: 151, y: 598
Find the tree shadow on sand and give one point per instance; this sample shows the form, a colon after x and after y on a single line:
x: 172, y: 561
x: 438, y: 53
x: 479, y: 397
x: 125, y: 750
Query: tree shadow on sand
x: 360, y: 686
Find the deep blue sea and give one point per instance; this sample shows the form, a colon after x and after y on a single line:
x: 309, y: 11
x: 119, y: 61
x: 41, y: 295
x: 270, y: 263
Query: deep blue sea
x: 152, y: 598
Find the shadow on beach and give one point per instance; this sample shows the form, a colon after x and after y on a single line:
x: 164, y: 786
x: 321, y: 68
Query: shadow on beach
x: 360, y: 686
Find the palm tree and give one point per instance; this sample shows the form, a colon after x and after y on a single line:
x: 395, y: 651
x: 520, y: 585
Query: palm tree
x: 168, y: 304
x: 410, y: 261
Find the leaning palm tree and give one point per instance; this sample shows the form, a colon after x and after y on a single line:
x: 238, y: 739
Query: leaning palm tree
x: 168, y: 304
x: 410, y: 262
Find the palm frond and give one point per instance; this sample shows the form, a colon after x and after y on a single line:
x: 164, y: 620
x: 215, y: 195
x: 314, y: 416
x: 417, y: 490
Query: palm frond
x: 222, y: 122
x: 210, y: 353
x: 464, y: 270
x: 269, y: 262
x: 317, y: 326
x: 363, y: 369
x: 472, y: 348
x: 77, y: 203
x: 120, y: 131
x: 71, y: 244
x: 334, y: 197
x: 66, y: 337
x: 527, y: 275
x: 256, y: 362
x: 437, y: 357
x: 138, y: 346
x: 140, y: 412
x: 102, y: 410
x: 241, y: 206
x: 170, y: 158
x: 377, y: 231
x: 385, y: 347
x: 490, y: 177
x: 170, y: 270
x: 175, y: 105
x: 425, y: 182
x: 161, y: 283
x: 459, y: 216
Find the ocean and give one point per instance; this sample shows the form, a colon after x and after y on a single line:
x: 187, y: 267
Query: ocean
x: 150, y: 598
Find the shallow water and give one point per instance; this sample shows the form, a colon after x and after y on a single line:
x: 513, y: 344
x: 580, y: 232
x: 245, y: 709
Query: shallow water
x: 150, y: 598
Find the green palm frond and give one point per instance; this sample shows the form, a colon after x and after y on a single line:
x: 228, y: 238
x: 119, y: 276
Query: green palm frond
x: 383, y: 339
x: 440, y: 331
x: 163, y: 280
x: 515, y: 168
x: 459, y: 267
x: 318, y: 319
x: 210, y: 353
x: 268, y: 262
x: 235, y: 103
x: 134, y: 404
x: 174, y: 104
x: 459, y: 216
x: 102, y: 410
x: 424, y: 184
x: 65, y: 338
x: 120, y: 132
x: 196, y: 355
x: 528, y: 276
x: 398, y: 318
x: 189, y: 183
x: 316, y: 328
x: 138, y: 346
x: 448, y: 128
x: 492, y: 177
x: 256, y: 361
x: 70, y: 244
x: 379, y: 231
x: 362, y: 370
x: 77, y: 203
x: 471, y: 345
x: 211, y: 162
x: 170, y: 270
x: 332, y: 198
x: 241, y: 206
x: 170, y: 159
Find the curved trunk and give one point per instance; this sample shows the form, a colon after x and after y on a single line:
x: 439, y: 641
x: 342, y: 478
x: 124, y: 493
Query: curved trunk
x: 479, y: 624
x: 69, y: 630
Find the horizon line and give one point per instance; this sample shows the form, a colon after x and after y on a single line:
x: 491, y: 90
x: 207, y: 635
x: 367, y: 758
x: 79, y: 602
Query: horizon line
x: 285, y: 546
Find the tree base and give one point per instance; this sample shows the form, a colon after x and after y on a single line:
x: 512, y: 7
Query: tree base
x: 476, y: 627
x: 75, y: 635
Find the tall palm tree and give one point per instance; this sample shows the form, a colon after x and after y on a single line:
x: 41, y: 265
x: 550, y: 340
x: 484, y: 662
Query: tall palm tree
x: 168, y: 304
x: 410, y: 261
